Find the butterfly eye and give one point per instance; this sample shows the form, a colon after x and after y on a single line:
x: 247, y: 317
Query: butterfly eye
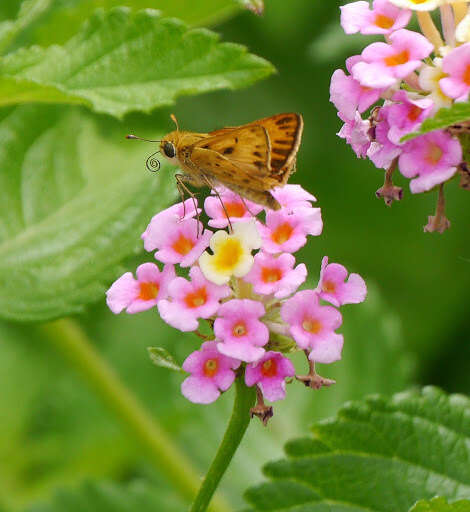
x: 169, y: 149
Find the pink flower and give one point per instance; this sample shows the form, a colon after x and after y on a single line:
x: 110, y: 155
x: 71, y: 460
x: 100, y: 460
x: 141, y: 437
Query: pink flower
x: 348, y: 95
x: 457, y: 65
x: 177, y: 241
x: 136, y: 295
x: 211, y: 373
x: 356, y: 133
x: 383, y: 64
x: 236, y: 208
x: 384, y: 17
x: 334, y: 288
x: 312, y: 326
x: 286, y: 231
x: 240, y: 330
x: 293, y: 196
x: 270, y: 373
x: 383, y: 151
x: 406, y: 115
x: 190, y: 300
x: 276, y: 275
x: 432, y: 157
x: 161, y: 221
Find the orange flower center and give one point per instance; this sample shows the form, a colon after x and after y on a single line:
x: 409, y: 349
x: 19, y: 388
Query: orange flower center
x: 466, y: 75
x: 282, y: 233
x: 183, y: 245
x: 270, y: 275
x: 148, y: 291
x: 239, y: 329
x: 311, y: 325
x: 269, y: 368
x: 329, y: 287
x: 235, y: 209
x: 434, y: 154
x: 197, y: 298
x: 210, y: 367
x: 397, y: 59
x: 414, y: 113
x: 383, y: 21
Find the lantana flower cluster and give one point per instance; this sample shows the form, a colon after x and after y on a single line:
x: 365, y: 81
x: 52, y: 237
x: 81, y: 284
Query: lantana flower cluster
x: 239, y: 276
x: 395, y: 84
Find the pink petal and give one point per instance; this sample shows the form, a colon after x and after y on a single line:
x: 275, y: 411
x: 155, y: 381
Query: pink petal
x: 200, y: 390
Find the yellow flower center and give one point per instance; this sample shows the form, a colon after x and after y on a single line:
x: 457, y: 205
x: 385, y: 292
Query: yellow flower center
x: 282, y: 233
x: 329, y: 287
x: 228, y: 254
x: 183, y: 245
x: 383, y: 21
x: 210, y: 367
x: 311, y: 325
x: 269, y: 368
x: 197, y: 298
x: 239, y: 329
x: 235, y: 209
x: 148, y: 291
x: 434, y: 154
x: 397, y: 59
x: 270, y: 275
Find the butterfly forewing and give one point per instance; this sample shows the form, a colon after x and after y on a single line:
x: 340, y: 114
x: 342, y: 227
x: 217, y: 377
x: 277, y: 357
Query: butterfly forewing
x: 247, y: 147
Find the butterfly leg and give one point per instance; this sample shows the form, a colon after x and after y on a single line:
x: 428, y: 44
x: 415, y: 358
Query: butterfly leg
x: 216, y: 192
x: 181, y: 180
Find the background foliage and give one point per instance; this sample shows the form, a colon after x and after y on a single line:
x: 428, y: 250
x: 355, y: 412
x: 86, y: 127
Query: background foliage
x: 75, y: 196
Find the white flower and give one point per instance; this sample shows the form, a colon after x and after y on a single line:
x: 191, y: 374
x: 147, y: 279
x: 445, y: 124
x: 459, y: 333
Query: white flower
x: 418, y: 5
x: 232, y: 253
x: 429, y: 81
x: 462, y: 32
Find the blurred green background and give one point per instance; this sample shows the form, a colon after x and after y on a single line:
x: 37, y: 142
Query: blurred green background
x: 56, y: 433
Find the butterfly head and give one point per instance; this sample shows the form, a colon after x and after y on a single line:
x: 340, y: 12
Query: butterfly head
x: 168, y: 147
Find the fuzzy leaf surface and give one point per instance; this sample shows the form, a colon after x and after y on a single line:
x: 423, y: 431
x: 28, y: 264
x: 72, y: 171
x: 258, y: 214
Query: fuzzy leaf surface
x: 74, y: 198
x: 122, y: 61
x: 376, y: 455
x: 441, y: 505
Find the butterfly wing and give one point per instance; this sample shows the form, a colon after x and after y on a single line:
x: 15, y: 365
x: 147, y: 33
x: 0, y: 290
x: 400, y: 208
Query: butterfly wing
x: 238, y: 157
x: 285, y: 133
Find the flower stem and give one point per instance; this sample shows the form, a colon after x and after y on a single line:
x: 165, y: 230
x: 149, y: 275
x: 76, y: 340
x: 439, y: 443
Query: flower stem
x: 244, y: 400
x: 69, y: 339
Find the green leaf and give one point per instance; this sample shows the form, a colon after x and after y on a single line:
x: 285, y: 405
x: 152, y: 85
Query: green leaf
x: 441, y: 505
x: 257, y: 6
x: 161, y: 357
x: 445, y: 117
x: 62, y: 19
x: 122, y: 62
x: 74, y: 198
x: 376, y: 455
x: 140, y: 496
x: 29, y: 11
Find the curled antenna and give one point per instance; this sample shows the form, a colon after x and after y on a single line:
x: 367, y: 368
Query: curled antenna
x: 152, y: 163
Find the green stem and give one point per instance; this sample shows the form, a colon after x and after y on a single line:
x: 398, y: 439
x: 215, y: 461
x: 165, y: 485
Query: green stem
x: 244, y: 400
x: 68, y: 337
